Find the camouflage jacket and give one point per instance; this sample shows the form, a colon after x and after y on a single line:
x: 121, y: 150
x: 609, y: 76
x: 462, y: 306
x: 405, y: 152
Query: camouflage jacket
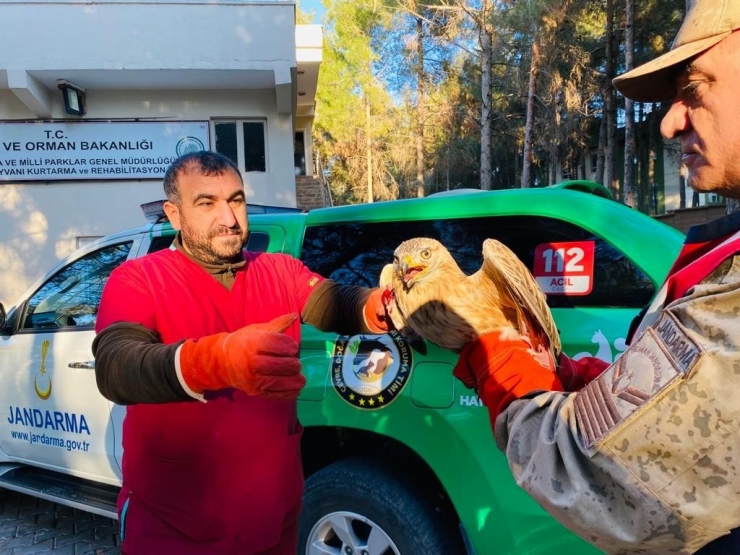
x: 642, y: 460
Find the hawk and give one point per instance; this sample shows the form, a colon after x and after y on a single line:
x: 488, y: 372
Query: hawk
x: 427, y: 294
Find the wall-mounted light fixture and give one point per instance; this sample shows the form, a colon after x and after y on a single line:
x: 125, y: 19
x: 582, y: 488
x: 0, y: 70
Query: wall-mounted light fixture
x: 74, y: 98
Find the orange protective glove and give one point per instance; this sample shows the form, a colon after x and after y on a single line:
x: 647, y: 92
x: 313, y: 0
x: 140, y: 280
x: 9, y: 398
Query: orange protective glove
x: 576, y: 374
x: 376, y: 312
x: 503, y: 370
x: 258, y: 359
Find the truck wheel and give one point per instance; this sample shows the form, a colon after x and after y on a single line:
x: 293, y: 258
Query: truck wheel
x: 358, y: 507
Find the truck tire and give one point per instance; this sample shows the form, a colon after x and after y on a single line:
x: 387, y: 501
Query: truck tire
x: 359, y: 507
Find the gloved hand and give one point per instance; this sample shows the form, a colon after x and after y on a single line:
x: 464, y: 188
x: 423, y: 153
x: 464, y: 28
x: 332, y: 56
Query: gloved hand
x: 576, y: 374
x: 258, y: 359
x: 375, y: 312
x: 503, y: 370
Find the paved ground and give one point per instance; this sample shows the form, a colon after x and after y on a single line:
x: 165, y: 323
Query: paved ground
x: 30, y: 526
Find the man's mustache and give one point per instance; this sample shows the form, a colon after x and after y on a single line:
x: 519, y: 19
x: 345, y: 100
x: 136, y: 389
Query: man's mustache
x: 224, y: 230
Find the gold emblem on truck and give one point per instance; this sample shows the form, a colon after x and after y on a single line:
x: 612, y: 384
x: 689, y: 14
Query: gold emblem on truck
x: 42, y: 382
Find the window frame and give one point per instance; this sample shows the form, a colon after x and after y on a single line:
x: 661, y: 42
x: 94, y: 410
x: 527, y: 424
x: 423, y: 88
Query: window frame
x: 23, y: 313
x: 240, y: 143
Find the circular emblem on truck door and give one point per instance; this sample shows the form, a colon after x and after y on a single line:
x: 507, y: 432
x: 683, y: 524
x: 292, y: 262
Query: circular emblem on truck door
x: 370, y: 371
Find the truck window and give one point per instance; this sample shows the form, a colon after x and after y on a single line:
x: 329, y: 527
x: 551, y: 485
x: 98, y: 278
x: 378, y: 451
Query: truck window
x: 355, y: 253
x: 257, y: 242
x: 70, y: 299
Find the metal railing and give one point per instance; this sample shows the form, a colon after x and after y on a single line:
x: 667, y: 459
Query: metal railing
x: 318, y: 172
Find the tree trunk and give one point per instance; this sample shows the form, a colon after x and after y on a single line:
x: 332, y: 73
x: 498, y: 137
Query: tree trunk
x: 368, y: 150
x: 610, y: 169
x: 553, y: 173
x: 629, y: 108
x: 642, y: 140
x: 657, y: 205
x: 529, y: 125
x: 653, y: 186
x: 643, y: 155
x: 601, y: 152
x: 420, y: 109
x: 486, y: 44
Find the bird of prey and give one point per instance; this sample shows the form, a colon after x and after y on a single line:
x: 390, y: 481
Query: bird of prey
x: 428, y: 294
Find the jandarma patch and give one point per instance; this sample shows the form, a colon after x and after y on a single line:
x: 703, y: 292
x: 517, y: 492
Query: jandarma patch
x: 662, y: 355
x: 370, y: 371
x: 680, y: 348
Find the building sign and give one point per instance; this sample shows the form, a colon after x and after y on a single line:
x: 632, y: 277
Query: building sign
x: 95, y: 150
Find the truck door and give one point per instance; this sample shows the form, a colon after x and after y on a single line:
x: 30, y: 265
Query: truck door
x: 53, y: 414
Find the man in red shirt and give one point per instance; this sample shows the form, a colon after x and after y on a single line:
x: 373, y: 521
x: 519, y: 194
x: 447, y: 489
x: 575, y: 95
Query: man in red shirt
x: 201, y: 341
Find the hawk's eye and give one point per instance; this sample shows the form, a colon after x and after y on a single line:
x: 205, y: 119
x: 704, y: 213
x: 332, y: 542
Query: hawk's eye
x: 426, y: 254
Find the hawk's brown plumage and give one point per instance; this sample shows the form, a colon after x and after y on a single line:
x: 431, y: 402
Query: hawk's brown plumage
x: 436, y: 300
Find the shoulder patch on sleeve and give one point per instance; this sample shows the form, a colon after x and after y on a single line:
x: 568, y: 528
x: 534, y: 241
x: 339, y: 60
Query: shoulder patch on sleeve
x: 660, y: 357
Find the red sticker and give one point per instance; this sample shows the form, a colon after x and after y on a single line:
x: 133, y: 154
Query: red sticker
x: 565, y: 268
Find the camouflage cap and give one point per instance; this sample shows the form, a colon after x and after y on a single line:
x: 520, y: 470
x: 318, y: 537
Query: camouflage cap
x: 707, y: 22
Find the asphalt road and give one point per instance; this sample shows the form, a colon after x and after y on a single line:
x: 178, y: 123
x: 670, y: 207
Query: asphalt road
x: 31, y: 526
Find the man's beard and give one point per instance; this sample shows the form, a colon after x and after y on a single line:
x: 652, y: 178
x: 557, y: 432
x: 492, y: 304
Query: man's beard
x: 226, y: 251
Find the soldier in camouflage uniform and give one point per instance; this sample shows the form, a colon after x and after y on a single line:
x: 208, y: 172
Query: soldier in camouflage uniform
x: 646, y: 457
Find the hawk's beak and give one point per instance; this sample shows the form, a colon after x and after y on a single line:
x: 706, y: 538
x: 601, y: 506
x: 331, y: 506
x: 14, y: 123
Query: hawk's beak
x: 409, y: 271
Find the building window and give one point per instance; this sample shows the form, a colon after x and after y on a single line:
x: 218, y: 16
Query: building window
x: 299, y: 153
x: 569, y: 170
x: 714, y: 198
x: 243, y: 142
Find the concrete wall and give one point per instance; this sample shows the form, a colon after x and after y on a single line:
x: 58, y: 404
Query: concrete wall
x: 155, y: 35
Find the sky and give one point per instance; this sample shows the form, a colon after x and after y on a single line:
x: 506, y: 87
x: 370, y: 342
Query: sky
x: 313, y: 5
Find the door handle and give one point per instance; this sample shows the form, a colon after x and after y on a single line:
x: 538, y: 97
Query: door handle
x: 87, y: 365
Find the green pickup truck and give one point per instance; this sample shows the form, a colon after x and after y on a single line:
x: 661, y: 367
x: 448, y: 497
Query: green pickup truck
x: 399, y: 457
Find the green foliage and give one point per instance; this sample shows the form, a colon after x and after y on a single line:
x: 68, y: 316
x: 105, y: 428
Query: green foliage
x: 371, y: 65
x: 301, y: 17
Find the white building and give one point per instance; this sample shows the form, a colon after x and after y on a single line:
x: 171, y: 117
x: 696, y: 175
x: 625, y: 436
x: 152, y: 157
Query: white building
x: 158, y: 77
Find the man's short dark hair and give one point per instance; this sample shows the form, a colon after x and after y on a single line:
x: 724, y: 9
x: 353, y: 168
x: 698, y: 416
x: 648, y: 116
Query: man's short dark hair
x: 203, y: 162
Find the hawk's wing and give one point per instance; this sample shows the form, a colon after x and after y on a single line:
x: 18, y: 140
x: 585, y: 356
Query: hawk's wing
x: 518, y: 287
